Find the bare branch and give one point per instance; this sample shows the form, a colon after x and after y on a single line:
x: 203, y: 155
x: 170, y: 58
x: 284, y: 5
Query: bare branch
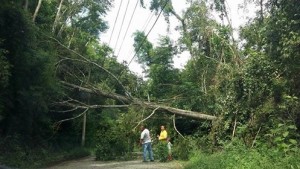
x: 145, y: 118
x: 66, y: 58
x: 59, y: 122
x: 83, y: 106
x: 234, y: 128
x: 89, y: 61
x: 99, y: 92
x: 255, y: 137
x: 107, y: 106
x: 150, y: 105
x: 57, y: 16
x: 176, y: 128
x: 36, y: 10
x: 65, y: 111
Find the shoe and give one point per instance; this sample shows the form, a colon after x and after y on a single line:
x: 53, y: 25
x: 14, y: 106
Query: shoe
x: 151, y: 160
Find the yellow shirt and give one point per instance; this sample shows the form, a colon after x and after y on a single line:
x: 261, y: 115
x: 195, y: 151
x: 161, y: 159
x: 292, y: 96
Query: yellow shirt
x: 163, y: 135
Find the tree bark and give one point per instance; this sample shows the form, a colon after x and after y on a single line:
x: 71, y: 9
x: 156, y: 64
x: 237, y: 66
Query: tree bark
x: 57, y: 16
x: 36, y: 10
x: 237, y: 58
x: 135, y: 101
x: 186, y: 34
x: 25, y: 5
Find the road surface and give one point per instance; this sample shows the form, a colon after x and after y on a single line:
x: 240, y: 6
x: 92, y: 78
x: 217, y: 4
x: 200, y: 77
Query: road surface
x: 91, y: 163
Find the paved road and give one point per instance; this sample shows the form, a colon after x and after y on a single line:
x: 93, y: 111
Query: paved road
x: 90, y: 163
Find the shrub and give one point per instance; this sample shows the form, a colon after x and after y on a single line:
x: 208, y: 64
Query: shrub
x: 114, y: 141
x: 15, y: 154
x: 183, y: 147
x: 238, y: 157
x: 161, y: 151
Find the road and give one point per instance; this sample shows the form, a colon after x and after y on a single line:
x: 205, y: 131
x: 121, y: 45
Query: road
x: 91, y: 163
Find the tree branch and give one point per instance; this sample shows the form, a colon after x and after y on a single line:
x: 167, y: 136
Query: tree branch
x: 150, y: 105
x: 145, y: 118
x: 94, y: 63
x: 36, y: 10
x: 75, y: 106
x: 255, y: 137
x: 176, y: 128
x: 72, y: 118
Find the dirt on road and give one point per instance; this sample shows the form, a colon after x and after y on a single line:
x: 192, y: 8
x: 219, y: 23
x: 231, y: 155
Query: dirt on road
x: 91, y: 163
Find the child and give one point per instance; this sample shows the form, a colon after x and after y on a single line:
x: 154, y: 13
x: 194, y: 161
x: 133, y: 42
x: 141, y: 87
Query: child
x: 169, y: 144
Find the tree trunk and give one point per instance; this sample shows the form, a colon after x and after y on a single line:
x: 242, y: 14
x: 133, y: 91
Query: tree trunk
x: 36, y: 10
x: 261, y: 3
x: 57, y: 16
x: 237, y: 58
x: 186, y: 34
x: 26, y: 5
x: 150, y: 105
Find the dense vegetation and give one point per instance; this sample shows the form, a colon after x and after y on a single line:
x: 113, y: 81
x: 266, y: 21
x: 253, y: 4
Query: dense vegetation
x: 58, y: 80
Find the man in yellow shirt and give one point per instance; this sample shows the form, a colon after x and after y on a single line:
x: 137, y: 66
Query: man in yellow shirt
x: 163, y: 134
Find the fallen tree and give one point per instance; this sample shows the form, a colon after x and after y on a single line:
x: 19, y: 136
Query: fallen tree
x: 135, y: 101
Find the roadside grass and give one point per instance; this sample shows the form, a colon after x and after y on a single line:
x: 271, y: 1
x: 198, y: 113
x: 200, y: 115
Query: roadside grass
x: 244, y: 159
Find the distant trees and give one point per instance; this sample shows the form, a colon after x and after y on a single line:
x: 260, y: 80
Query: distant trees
x: 247, y: 87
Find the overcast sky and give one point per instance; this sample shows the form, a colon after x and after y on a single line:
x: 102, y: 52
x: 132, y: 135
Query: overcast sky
x: 141, y: 21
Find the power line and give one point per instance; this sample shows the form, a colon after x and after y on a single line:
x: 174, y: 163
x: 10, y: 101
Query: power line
x: 145, y: 25
x: 128, y: 27
x: 128, y: 94
x: 121, y: 25
x: 148, y: 21
x: 148, y: 32
x: 115, y: 22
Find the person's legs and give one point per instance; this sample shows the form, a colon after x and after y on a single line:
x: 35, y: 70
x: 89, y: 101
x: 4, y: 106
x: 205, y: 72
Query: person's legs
x: 169, y: 154
x: 149, y: 147
x: 144, y: 152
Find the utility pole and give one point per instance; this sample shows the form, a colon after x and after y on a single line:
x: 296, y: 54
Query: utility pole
x: 83, y: 130
x: 84, y: 115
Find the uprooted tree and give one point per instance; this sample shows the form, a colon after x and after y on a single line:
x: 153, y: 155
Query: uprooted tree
x: 134, y: 101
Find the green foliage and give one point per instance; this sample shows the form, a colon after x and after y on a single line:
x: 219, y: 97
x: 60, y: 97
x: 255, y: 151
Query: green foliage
x: 22, y: 156
x: 5, y: 71
x: 236, y: 156
x: 161, y: 151
x: 115, y: 140
x: 157, y: 62
x: 143, y: 48
x: 31, y: 80
x: 183, y: 147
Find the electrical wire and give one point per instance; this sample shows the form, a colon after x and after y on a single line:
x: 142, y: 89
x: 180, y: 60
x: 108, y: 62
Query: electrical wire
x: 121, y: 25
x: 137, y: 2
x: 148, y: 21
x: 148, y: 33
x: 115, y: 22
x: 145, y: 25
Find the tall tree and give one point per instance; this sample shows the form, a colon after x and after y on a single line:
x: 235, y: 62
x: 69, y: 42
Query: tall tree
x: 28, y: 86
x: 158, y: 63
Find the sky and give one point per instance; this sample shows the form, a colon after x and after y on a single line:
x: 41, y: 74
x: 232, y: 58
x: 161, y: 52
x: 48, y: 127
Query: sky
x: 143, y: 20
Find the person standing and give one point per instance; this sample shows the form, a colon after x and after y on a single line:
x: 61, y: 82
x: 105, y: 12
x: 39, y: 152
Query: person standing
x: 162, y: 145
x: 169, y: 145
x: 145, y: 141
x: 163, y: 134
